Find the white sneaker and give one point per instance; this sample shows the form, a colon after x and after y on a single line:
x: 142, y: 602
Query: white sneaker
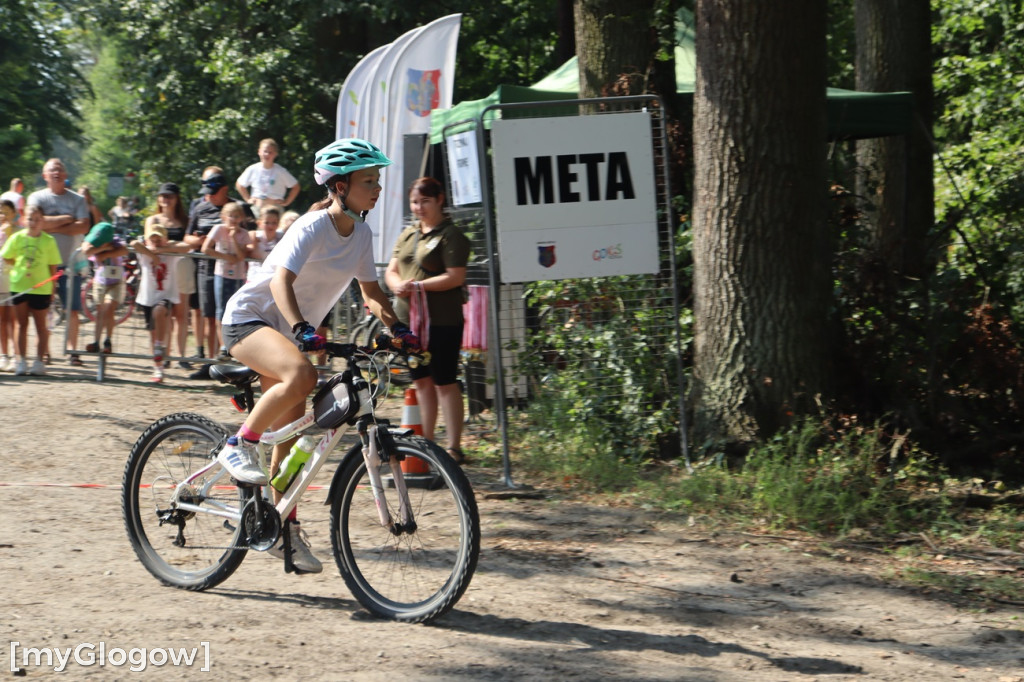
x: 303, y: 558
x: 38, y: 368
x: 242, y: 462
x: 20, y: 367
x: 3, y: 362
x: 158, y: 374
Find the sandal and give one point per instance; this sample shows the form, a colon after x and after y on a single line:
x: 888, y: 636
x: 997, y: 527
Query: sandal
x: 457, y: 455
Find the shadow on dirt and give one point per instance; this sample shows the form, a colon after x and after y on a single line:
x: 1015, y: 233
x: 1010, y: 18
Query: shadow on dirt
x: 591, y: 638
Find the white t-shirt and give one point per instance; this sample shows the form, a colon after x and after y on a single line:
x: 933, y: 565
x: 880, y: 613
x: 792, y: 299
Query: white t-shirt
x: 157, y: 282
x: 267, y: 183
x: 263, y: 244
x: 222, y: 244
x: 324, y: 262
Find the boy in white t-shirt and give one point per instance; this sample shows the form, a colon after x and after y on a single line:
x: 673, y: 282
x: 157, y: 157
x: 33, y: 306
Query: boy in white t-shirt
x: 267, y: 182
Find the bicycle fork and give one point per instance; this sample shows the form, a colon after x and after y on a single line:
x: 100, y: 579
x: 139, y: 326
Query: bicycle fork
x: 372, y: 437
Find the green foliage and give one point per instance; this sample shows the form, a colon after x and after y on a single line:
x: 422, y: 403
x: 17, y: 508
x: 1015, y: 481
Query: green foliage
x: 40, y: 84
x: 21, y: 154
x: 980, y: 189
x: 942, y: 355
x: 105, y: 125
x: 841, y: 40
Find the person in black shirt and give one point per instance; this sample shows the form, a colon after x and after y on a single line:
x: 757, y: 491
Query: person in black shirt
x: 203, y: 216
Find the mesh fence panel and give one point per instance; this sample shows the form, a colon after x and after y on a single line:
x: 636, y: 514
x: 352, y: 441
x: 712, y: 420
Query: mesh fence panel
x: 601, y: 352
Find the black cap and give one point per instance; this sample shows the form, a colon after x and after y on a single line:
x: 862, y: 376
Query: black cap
x: 213, y: 183
x: 169, y: 188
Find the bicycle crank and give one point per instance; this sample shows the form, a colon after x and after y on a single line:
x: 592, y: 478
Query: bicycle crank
x: 261, y: 524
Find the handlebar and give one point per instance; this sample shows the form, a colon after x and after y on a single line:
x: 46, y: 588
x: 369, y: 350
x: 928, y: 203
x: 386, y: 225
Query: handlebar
x: 383, y: 343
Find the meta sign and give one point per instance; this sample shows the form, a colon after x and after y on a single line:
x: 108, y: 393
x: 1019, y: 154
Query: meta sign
x: 575, y: 197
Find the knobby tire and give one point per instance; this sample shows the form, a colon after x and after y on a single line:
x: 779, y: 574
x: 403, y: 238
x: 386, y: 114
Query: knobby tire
x: 413, y: 577
x: 166, y: 453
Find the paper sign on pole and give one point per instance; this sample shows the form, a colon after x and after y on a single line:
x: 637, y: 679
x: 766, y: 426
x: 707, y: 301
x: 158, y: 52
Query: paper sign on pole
x: 463, y: 168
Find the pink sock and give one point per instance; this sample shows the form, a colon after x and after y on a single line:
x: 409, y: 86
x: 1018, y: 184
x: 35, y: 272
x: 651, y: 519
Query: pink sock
x: 248, y: 434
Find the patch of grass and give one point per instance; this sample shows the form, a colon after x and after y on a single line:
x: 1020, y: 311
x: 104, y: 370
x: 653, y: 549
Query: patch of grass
x: 834, y: 483
x: 997, y: 587
x: 814, y: 478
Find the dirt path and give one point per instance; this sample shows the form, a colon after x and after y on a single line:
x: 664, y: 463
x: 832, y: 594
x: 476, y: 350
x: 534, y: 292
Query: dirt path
x: 564, y: 590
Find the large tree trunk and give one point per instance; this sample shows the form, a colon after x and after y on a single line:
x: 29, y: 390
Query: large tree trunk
x: 614, y: 40
x: 761, y: 264
x: 896, y: 173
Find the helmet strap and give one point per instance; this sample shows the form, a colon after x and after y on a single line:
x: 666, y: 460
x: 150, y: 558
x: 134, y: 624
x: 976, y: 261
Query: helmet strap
x: 358, y: 217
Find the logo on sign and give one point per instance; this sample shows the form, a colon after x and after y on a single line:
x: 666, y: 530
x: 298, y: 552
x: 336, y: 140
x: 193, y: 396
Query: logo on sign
x: 609, y: 252
x: 546, y: 255
x: 423, y: 94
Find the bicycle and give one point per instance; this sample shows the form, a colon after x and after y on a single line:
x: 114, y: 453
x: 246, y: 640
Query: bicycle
x: 406, y: 546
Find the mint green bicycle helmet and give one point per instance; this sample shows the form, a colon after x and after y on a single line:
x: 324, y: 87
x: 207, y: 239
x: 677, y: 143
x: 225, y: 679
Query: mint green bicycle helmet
x: 345, y: 156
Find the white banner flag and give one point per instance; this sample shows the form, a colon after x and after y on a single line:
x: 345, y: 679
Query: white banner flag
x: 422, y: 79
x: 373, y: 118
x: 354, y: 92
x: 390, y: 94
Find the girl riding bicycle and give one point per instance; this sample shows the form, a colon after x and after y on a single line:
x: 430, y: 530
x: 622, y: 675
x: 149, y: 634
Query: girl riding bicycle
x: 265, y: 323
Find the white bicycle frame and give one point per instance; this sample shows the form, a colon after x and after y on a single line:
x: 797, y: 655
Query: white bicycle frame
x: 306, y: 474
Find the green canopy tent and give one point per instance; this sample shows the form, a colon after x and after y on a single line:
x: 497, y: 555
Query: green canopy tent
x: 851, y: 114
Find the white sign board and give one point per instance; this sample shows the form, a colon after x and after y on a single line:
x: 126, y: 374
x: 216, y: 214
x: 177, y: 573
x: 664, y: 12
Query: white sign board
x: 575, y: 196
x: 464, y: 169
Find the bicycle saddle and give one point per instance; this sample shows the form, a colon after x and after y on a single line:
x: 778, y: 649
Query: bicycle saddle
x: 236, y: 375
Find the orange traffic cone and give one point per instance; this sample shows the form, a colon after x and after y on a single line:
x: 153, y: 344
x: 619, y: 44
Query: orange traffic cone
x: 411, y: 420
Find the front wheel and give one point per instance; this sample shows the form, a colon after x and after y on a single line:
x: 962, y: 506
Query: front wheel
x: 194, y: 550
x: 414, y: 577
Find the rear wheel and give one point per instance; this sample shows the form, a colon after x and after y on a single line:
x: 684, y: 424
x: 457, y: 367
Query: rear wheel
x: 121, y: 313
x: 187, y: 549
x: 413, y: 577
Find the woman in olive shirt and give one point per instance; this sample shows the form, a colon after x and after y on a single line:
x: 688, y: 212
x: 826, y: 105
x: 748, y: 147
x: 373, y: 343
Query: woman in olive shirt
x: 430, y: 257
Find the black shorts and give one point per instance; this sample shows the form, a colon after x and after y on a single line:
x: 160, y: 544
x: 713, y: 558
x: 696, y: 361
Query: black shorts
x: 445, y: 344
x: 147, y: 311
x: 35, y: 301
x: 231, y: 334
